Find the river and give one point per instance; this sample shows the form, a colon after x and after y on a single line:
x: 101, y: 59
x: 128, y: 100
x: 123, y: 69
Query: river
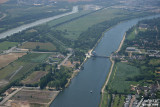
x: 95, y: 71
x: 36, y: 23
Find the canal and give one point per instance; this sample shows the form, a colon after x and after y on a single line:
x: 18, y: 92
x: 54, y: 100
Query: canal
x: 95, y: 71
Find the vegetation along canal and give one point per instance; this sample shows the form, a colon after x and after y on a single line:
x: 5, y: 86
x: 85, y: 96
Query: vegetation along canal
x: 85, y: 88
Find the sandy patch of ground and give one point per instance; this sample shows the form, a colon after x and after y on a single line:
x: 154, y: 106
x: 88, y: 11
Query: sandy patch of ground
x: 34, y: 77
x: 37, y: 97
x: 68, y: 64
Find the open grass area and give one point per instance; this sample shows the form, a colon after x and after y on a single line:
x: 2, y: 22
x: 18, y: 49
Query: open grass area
x: 34, y: 77
x: 106, y: 99
x: 132, y: 35
x: 154, y: 62
x: 76, y: 27
x: 42, y: 46
x: 6, y: 45
x: 119, y: 75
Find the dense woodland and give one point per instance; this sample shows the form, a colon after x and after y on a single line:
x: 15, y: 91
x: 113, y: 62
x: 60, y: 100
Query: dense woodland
x: 56, y: 78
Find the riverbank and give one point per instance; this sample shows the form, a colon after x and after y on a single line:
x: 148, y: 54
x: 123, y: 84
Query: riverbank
x: 110, y: 72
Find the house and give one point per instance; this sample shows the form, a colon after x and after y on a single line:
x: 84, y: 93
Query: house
x: 143, y: 26
x: 130, y: 49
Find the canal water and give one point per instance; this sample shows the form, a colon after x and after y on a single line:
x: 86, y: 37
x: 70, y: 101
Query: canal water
x: 95, y: 71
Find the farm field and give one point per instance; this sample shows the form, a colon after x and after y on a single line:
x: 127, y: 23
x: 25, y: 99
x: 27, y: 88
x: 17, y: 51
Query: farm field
x: 34, y: 57
x: 8, y: 71
x: 42, y: 46
x: 119, y: 75
x: 35, y: 97
x: 34, y: 77
x: 28, y: 62
x: 5, y: 45
x: 76, y: 27
x: 8, y: 58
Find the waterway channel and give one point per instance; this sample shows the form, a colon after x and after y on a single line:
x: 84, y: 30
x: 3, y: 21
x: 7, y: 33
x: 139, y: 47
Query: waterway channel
x: 95, y: 71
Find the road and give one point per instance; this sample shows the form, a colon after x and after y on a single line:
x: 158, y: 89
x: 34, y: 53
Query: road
x: 42, y: 52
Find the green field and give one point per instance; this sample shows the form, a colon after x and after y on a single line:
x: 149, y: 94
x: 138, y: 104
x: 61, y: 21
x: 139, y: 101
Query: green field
x: 119, y: 75
x: 34, y: 57
x: 9, y: 70
x: 106, y: 99
x: 42, y: 46
x: 154, y: 62
x: 132, y: 35
x: 76, y: 27
x: 6, y: 45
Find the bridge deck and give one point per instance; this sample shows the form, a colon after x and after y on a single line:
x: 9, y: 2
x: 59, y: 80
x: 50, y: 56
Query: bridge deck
x: 100, y: 56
